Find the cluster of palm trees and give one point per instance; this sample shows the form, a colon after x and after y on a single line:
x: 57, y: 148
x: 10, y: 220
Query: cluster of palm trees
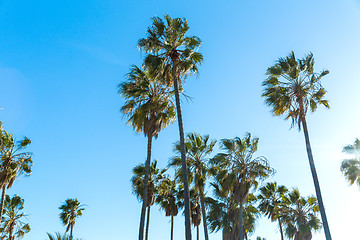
x: 233, y: 176
x: 151, y: 93
x: 14, y: 162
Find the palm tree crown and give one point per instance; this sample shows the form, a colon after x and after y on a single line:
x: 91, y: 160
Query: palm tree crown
x: 170, y: 49
x: 148, y: 104
x: 292, y: 87
x: 301, y: 218
x: 351, y: 167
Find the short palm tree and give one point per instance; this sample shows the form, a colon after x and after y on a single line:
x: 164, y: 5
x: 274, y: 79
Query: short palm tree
x: 70, y: 211
x: 149, y: 110
x: 301, y: 218
x: 291, y: 89
x: 14, y: 162
x: 12, y: 226
x: 241, y: 169
x: 351, y: 167
x: 272, y: 204
x: 59, y: 236
x: 198, y: 148
x: 168, y: 47
x: 137, y: 181
x: 167, y: 198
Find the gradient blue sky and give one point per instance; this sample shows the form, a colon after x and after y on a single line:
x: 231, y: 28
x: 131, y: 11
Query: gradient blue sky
x: 61, y: 62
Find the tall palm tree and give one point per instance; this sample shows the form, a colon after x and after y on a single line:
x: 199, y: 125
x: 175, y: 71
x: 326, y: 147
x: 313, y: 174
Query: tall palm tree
x: 301, y: 218
x: 241, y: 169
x: 137, y: 181
x: 70, y: 210
x: 149, y: 110
x: 271, y: 203
x: 168, y: 45
x: 291, y: 89
x: 14, y: 162
x: 167, y: 198
x: 12, y: 226
x: 351, y: 167
x: 197, y: 148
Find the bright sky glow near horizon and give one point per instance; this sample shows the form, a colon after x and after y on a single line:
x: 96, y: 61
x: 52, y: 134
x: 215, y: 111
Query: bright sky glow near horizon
x: 61, y: 62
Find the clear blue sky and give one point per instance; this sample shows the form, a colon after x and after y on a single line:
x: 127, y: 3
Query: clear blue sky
x: 61, y: 62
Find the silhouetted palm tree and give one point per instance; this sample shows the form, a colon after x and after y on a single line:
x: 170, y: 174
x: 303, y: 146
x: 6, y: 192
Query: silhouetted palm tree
x: 167, y: 45
x: 291, y: 89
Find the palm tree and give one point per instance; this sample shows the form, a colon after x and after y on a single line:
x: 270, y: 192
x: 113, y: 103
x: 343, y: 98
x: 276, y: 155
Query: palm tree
x: 137, y: 181
x: 14, y: 162
x: 149, y: 110
x: 59, y: 236
x: 12, y: 226
x: 224, y: 211
x: 71, y: 210
x: 198, y: 148
x: 167, y: 45
x: 301, y: 217
x: 291, y: 89
x: 167, y: 198
x: 351, y: 167
x: 238, y: 167
x: 271, y: 203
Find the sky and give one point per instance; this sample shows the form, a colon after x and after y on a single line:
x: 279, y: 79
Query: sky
x: 61, y: 63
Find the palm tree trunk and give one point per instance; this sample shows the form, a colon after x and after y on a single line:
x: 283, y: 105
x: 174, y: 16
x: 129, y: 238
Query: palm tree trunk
x: 281, y: 230
x: 202, y: 202
x: 2, y: 202
x: 241, y: 231
x: 172, y: 228
x: 197, y: 232
x: 10, y: 233
x: 316, y: 181
x: 183, y: 158
x: 71, y: 231
x: 147, y: 223
x: 146, y: 180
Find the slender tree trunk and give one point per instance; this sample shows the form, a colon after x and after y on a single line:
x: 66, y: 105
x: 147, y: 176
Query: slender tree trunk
x: 202, y: 202
x: 183, y: 159
x: 241, y: 230
x: 10, y: 233
x: 147, y: 224
x: 2, y: 202
x: 146, y: 180
x: 197, y: 232
x: 281, y: 230
x: 71, y: 231
x: 316, y: 181
x: 172, y: 228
